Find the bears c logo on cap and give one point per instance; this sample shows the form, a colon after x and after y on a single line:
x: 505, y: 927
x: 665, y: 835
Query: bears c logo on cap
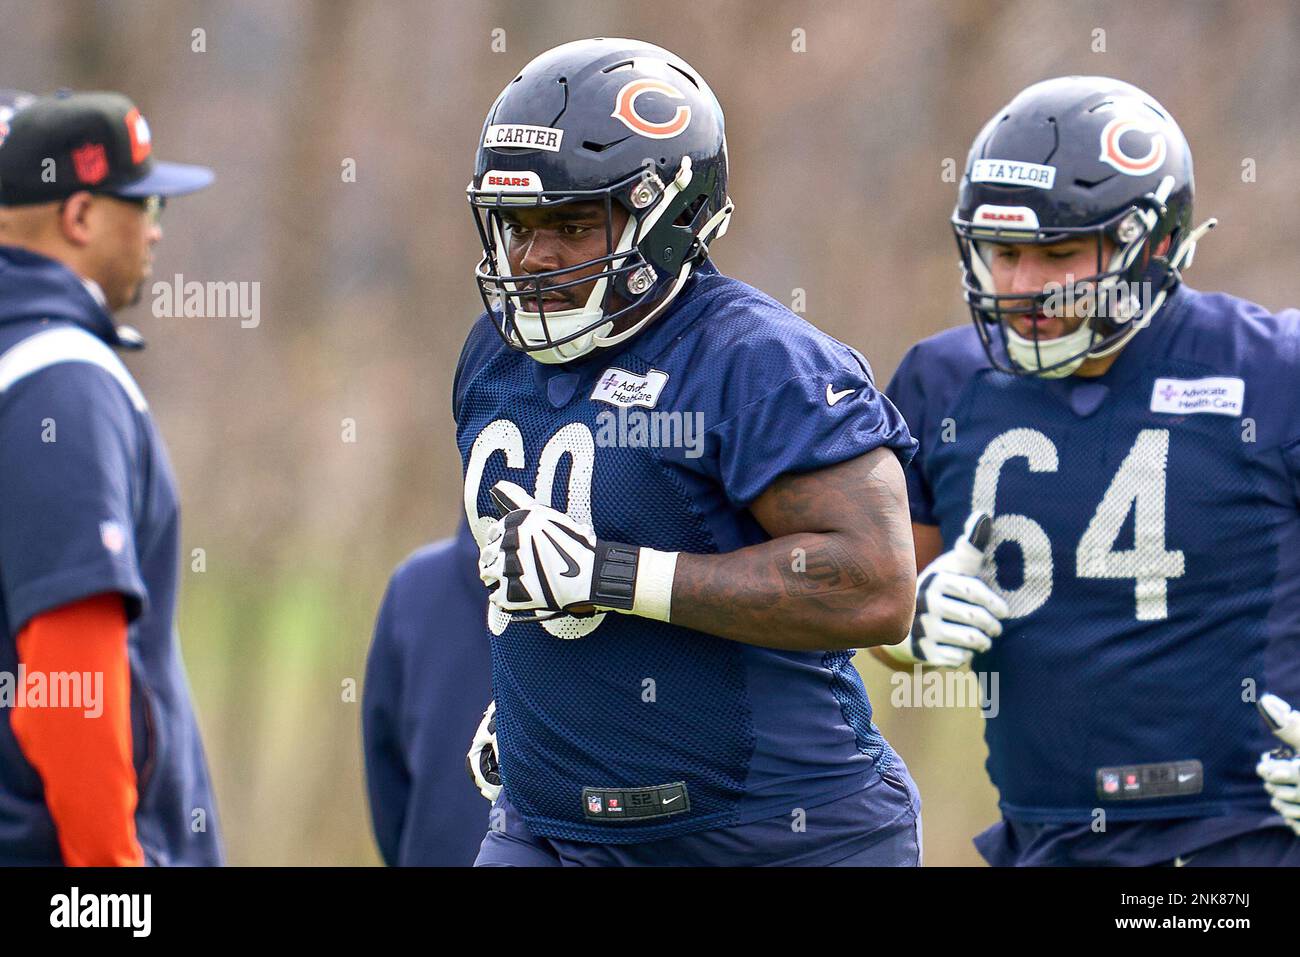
x: 1113, y: 153
x: 141, y: 140
x: 626, y: 113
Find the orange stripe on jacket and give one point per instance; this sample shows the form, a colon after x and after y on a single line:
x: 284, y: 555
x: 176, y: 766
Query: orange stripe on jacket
x: 85, y: 761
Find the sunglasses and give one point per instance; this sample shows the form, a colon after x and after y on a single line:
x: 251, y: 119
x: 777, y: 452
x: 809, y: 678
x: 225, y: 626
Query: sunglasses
x: 153, y: 206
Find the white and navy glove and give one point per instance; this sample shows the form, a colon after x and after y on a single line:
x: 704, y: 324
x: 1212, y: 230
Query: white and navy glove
x: 482, y: 761
x: 956, y: 613
x: 540, y: 562
x: 1280, y: 768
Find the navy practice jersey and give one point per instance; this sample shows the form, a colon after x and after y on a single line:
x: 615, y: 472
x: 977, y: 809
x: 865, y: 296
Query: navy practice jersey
x: 663, y: 442
x: 1147, y: 540
x: 88, y: 506
x: 427, y: 684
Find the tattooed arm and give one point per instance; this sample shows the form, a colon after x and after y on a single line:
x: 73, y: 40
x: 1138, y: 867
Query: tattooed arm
x: 838, y: 573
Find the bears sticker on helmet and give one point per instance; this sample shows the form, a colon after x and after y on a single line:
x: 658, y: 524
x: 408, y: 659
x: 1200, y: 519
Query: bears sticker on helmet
x: 626, y: 112
x: 1112, y: 150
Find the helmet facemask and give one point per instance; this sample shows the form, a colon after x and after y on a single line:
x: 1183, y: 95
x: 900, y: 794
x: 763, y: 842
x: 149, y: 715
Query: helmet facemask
x: 1115, y: 301
x: 641, y: 271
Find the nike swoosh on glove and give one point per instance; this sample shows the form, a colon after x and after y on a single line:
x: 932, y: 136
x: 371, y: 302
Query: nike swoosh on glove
x: 537, y: 559
x: 957, y: 614
x: 481, y: 761
x: 1280, y: 768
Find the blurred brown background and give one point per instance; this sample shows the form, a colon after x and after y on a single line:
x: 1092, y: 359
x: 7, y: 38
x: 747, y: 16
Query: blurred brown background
x: 838, y: 175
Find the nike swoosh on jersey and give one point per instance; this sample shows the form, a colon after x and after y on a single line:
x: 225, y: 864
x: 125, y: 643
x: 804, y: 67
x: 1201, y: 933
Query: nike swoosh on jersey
x: 833, y: 397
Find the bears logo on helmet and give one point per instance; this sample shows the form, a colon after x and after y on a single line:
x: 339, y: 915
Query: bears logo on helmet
x: 626, y: 112
x: 1113, y: 153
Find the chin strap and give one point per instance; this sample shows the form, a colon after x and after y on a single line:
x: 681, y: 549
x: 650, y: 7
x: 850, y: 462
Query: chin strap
x: 719, y: 222
x: 1181, y: 259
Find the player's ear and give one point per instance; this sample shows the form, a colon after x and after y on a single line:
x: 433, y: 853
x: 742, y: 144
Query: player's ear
x: 75, y: 218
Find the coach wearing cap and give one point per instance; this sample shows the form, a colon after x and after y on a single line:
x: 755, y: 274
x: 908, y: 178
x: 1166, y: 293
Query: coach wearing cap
x: 100, y: 757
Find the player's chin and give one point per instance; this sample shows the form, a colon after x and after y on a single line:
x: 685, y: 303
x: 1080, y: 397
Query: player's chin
x: 1042, y: 329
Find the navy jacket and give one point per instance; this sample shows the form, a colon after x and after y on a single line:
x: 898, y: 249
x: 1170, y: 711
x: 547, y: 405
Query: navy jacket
x: 88, y: 505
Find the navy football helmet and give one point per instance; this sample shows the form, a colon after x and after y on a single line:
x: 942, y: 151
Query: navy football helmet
x: 1067, y: 158
x: 612, y: 121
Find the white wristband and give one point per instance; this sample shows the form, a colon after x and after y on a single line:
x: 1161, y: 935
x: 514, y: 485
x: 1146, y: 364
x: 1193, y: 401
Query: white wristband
x: 653, y: 595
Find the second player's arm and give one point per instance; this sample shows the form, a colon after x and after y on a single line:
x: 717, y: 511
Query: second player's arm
x: 839, y: 571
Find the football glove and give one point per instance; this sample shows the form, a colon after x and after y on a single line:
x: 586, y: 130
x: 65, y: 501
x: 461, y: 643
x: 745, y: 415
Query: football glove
x: 1280, y: 768
x: 538, y: 560
x: 481, y: 762
x: 956, y: 613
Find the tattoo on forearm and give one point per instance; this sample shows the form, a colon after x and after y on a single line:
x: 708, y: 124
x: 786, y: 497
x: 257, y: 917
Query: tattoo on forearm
x: 821, y: 570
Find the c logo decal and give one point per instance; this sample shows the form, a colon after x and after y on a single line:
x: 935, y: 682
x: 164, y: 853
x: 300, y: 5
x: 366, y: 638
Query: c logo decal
x: 625, y: 110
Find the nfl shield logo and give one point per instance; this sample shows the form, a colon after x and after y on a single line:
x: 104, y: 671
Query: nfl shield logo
x: 593, y: 803
x: 90, y: 162
x: 1110, y: 782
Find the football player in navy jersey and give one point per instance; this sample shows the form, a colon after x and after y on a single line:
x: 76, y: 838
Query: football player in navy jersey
x: 690, y: 503
x: 1106, y: 499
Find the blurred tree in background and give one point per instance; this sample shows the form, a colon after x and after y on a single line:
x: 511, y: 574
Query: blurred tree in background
x: 848, y: 125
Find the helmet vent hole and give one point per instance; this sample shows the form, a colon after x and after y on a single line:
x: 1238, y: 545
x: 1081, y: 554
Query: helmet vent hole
x: 1056, y: 138
x: 601, y: 147
x: 564, y: 85
x: 694, y: 82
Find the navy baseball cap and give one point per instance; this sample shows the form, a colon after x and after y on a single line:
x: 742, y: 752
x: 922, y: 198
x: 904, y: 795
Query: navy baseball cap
x: 63, y: 144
